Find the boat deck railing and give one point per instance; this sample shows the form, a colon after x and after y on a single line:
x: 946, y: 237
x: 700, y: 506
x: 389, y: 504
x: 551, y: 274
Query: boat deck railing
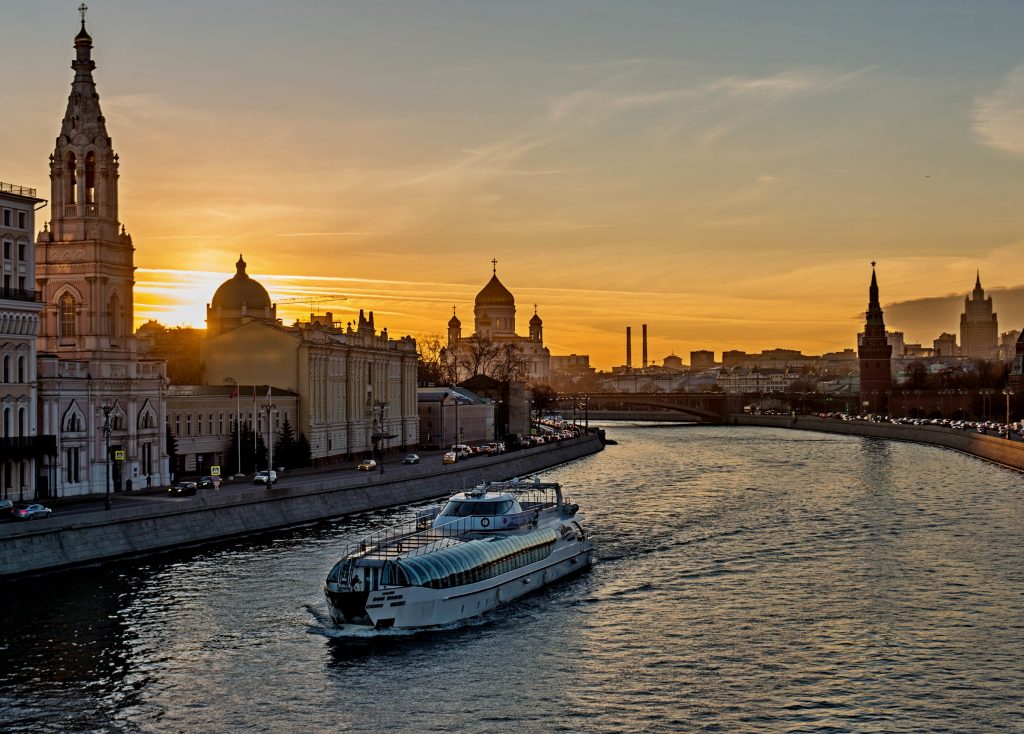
x: 420, y: 536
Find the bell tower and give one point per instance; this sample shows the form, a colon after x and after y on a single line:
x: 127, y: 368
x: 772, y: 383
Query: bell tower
x: 875, y: 355
x: 85, y: 258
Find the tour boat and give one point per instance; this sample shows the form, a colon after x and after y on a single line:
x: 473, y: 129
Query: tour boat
x: 482, y: 548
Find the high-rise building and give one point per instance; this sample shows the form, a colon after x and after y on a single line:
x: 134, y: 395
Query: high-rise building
x: 945, y: 345
x: 105, y: 405
x: 875, y: 356
x: 702, y: 359
x: 22, y: 449
x: 979, y: 328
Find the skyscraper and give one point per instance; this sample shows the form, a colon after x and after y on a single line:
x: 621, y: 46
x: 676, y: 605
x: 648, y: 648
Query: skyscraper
x: 979, y: 328
x: 875, y: 356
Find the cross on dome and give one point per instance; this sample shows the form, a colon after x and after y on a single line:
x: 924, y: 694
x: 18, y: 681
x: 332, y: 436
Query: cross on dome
x: 494, y: 267
x: 81, y: 9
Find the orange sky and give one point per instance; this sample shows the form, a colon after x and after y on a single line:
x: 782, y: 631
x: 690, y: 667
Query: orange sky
x: 723, y: 172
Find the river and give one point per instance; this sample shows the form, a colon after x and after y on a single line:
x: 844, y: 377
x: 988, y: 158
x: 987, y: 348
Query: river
x: 748, y: 580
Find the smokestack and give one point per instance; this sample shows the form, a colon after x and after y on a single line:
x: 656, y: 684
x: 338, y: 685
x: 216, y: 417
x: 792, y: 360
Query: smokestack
x: 645, y: 346
x: 629, y: 347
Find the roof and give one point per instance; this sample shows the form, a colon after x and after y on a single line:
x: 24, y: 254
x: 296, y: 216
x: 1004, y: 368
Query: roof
x: 495, y: 294
x: 239, y: 291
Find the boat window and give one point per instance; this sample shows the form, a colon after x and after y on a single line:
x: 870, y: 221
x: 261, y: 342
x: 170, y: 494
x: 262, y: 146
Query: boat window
x: 458, y: 508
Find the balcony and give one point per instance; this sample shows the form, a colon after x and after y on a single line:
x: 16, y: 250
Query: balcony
x: 20, y: 294
x: 27, y: 447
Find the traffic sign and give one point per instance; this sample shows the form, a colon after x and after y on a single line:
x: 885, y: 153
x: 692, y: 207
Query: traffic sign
x: 214, y: 471
x: 119, y: 455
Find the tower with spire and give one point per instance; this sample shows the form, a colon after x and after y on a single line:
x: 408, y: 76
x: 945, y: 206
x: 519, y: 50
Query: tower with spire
x: 90, y: 375
x: 875, y: 355
x: 979, y: 326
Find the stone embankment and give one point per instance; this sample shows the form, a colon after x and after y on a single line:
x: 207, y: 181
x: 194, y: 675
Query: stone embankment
x: 992, y: 448
x: 87, y: 538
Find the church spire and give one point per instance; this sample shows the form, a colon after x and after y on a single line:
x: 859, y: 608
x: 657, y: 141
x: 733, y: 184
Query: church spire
x: 977, y: 281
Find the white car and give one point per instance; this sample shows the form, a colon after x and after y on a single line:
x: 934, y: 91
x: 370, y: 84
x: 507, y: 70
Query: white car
x: 262, y: 477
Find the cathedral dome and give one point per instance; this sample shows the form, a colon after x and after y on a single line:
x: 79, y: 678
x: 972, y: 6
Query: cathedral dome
x: 495, y: 294
x: 83, y: 38
x: 241, y: 291
x: 454, y: 322
x: 535, y: 321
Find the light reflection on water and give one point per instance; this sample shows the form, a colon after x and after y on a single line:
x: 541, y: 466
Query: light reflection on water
x: 748, y: 580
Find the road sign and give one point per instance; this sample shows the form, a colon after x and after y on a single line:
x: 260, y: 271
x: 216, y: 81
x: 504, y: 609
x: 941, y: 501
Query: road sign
x: 214, y: 471
x: 119, y: 456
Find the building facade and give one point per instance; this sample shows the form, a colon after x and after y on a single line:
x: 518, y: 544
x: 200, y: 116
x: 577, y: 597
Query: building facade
x: 875, y: 356
x: 356, y: 386
x: 22, y: 448
x: 495, y: 349
x: 104, y: 404
x: 979, y: 326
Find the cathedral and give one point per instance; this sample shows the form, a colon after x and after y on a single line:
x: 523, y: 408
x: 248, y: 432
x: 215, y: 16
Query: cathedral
x: 495, y: 349
x: 104, y: 404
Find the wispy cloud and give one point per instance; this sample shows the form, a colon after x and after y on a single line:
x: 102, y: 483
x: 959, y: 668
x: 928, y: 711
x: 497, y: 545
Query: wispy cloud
x: 324, y: 234
x: 999, y: 115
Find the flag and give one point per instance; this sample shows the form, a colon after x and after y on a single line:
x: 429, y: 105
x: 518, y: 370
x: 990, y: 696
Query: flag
x: 234, y: 393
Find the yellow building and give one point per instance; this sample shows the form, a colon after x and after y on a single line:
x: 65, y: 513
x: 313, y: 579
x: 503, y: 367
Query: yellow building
x: 355, y: 385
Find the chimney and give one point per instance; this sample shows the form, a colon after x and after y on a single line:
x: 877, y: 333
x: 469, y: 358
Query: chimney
x: 629, y: 347
x: 645, y: 346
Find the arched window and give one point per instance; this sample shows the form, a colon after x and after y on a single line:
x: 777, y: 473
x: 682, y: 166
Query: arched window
x: 70, y: 177
x: 90, y: 178
x: 7, y: 421
x: 68, y: 317
x: 7, y: 368
x: 114, y: 317
x: 22, y: 373
x: 22, y: 422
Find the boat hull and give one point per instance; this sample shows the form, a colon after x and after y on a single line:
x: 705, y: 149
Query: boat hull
x: 414, y: 607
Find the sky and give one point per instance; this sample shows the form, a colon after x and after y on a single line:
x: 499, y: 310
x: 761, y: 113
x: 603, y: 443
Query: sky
x: 724, y: 171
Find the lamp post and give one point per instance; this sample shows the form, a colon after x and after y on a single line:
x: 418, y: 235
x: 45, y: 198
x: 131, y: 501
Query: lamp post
x: 107, y: 408
x: 238, y: 421
x: 1007, y: 392
x: 270, y: 444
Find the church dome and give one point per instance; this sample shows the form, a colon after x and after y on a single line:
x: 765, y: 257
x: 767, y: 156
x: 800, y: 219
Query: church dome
x: 241, y: 291
x: 454, y: 322
x: 495, y: 294
x: 83, y: 38
x: 535, y: 321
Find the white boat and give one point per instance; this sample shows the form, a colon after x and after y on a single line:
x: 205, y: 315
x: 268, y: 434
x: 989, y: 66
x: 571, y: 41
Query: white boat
x: 482, y: 548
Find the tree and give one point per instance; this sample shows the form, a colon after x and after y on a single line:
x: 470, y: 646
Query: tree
x: 172, y: 450
x: 509, y: 364
x: 475, y: 356
x: 284, y: 449
x: 543, y: 397
x: 436, y: 363
x: 303, y: 454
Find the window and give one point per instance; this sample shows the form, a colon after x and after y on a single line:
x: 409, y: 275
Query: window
x: 7, y: 248
x: 209, y: 424
x: 188, y: 425
x: 70, y: 180
x: 22, y: 376
x: 220, y: 424
x: 7, y: 217
x: 22, y: 220
x: 7, y: 368
x: 71, y: 465
x: 21, y: 251
x: 68, y: 317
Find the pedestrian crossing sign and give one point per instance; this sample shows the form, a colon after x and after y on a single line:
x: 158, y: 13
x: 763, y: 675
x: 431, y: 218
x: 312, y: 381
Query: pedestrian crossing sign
x: 119, y: 455
x: 214, y: 471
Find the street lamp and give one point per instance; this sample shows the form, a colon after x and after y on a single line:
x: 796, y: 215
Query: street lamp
x: 107, y: 408
x: 270, y: 443
x: 1007, y: 392
x: 238, y: 421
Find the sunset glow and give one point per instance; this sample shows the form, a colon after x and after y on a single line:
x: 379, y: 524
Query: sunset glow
x: 719, y: 171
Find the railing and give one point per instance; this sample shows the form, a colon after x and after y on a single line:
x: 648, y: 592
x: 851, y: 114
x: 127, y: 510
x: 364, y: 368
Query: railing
x: 81, y: 210
x: 8, y: 188
x: 20, y: 294
x: 28, y: 446
x: 413, y: 537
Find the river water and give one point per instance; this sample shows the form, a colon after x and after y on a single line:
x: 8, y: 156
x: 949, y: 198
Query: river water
x: 748, y: 580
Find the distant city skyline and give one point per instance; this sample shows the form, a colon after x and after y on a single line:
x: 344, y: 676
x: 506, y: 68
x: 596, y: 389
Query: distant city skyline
x: 722, y: 171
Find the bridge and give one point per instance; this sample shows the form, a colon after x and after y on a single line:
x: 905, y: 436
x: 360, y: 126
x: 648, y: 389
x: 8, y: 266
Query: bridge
x: 706, y: 407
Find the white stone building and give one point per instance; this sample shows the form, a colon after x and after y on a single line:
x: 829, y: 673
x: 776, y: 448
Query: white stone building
x: 21, y: 448
x: 90, y: 375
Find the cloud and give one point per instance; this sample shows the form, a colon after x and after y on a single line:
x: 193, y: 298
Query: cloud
x: 999, y: 115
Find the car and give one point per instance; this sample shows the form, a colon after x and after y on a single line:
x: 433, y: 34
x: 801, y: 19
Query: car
x: 411, y: 459
x: 25, y: 511
x: 209, y: 483
x: 449, y: 458
x: 366, y: 465
x: 6, y: 506
x: 265, y: 477
x: 182, y: 488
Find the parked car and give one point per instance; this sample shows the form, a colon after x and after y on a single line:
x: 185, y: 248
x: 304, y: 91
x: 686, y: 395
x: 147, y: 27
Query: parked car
x: 263, y: 477
x: 449, y: 458
x: 25, y: 511
x: 6, y: 507
x: 411, y: 459
x: 182, y: 488
x: 209, y: 483
x: 366, y: 465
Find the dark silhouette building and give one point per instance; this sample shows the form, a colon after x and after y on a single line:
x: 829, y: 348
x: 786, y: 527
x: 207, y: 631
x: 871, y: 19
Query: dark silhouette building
x: 979, y: 326
x: 875, y: 356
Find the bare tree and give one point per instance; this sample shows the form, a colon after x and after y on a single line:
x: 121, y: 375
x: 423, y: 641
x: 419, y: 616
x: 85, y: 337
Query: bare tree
x: 433, y: 360
x: 510, y: 364
x: 475, y: 356
x: 543, y: 397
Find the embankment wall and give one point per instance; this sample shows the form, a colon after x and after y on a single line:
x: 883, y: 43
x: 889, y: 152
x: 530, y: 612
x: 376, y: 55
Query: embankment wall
x: 86, y: 538
x: 992, y: 448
